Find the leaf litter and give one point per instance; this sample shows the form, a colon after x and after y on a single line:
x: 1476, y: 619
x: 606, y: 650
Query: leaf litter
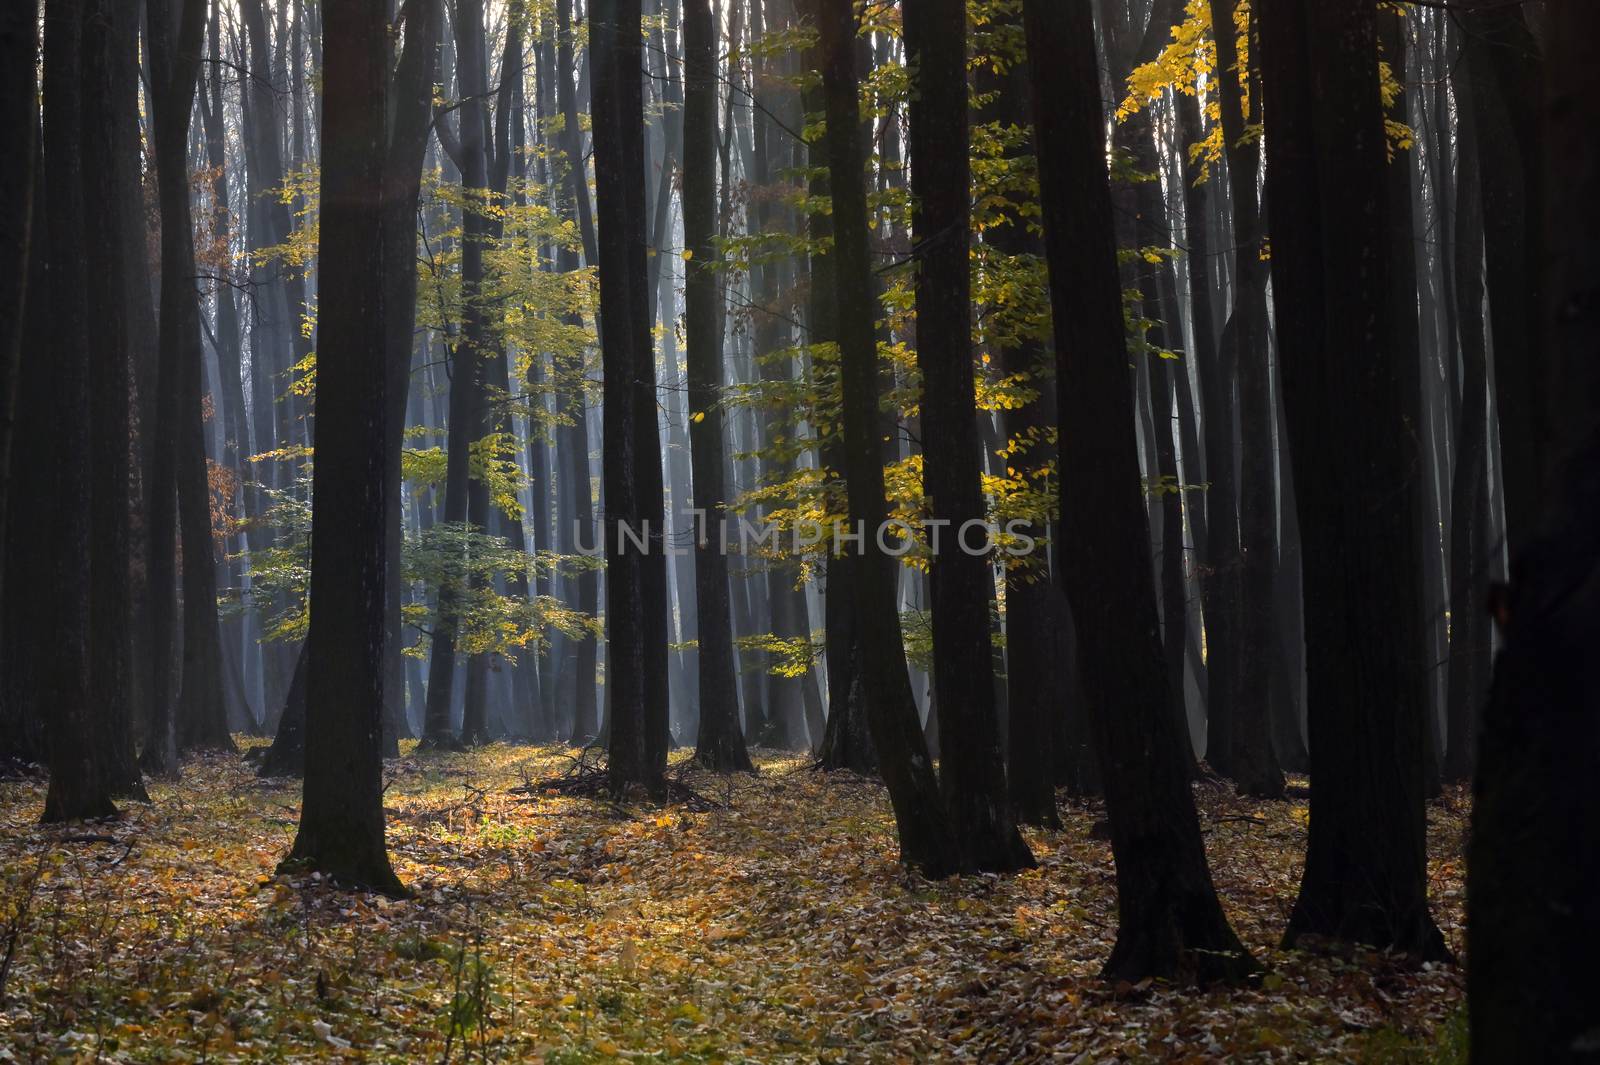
x: 767, y: 921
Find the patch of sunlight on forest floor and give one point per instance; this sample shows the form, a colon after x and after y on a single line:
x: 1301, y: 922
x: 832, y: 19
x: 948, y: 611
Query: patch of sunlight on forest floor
x: 776, y: 927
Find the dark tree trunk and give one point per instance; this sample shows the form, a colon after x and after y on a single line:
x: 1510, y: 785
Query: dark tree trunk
x: 78, y: 784
x: 24, y: 633
x: 1532, y: 913
x: 1250, y: 762
x: 1035, y: 678
x: 575, y: 435
x: 720, y: 743
x: 1217, y: 527
x: 1158, y: 300
x: 266, y: 81
x: 846, y: 737
x: 973, y: 778
x: 1426, y: 567
x: 105, y: 33
x: 583, y: 651
x: 193, y: 715
x: 926, y: 840
x: 413, y: 94
x: 341, y: 831
x: 1469, y: 669
x: 635, y: 571
x: 1366, y: 872
x: 19, y: 128
x: 1171, y: 923
x: 466, y: 497
x: 485, y: 166
x: 1500, y: 61
x: 788, y: 695
x: 571, y: 134
x: 226, y: 339
x: 287, y: 755
x: 574, y: 445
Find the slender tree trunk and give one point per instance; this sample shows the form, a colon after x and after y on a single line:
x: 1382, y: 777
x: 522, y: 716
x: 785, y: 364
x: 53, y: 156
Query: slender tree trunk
x: 1501, y: 62
x: 926, y: 840
x: 973, y: 779
x: 466, y: 498
x: 485, y: 166
x: 175, y: 32
x: 24, y: 636
x: 846, y: 739
x: 575, y: 436
x: 1035, y: 679
x: 341, y: 831
x: 1251, y: 761
x: 1170, y: 920
x: 19, y: 126
x: 1469, y: 666
x: 1427, y: 566
x: 413, y: 94
x: 111, y: 622
x: 720, y: 743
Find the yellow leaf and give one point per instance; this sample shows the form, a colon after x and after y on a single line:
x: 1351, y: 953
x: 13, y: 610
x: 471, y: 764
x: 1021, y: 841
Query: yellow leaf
x: 688, y: 253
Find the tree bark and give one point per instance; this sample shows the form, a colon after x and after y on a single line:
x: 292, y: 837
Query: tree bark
x: 575, y: 436
x: 78, y: 782
x: 973, y: 779
x: 1500, y: 61
x: 1532, y: 912
x: 412, y: 91
x: 1171, y: 923
x: 923, y: 823
x: 635, y: 666
x: 720, y: 744
x: 194, y: 715
x: 1251, y: 761
x: 1469, y: 664
x: 1035, y: 678
x: 19, y: 128
x: 341, y: 831
x: 111, y: 621
x: 1366, y: 873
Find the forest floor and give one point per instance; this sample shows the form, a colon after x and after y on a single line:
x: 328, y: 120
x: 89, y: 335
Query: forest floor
x: 769, y: 923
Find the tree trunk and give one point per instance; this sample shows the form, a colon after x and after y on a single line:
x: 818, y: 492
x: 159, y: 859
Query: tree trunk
x: 633, y: 512
x: 1250, y: 762
x: 973, y: 779
x: 1500, y: 62
x: 1366, y: 873
x: 19, y: 129
x: 341, y: 831
x: 926, y: 840
x: 1035, y: 680
x: 1532, y: 912
x: 179, y: 440
x: 413, y: 93
x: 106, y: 34
x: 720, y: 743
x: 25, y: 636
x: 1469, y: 668
x: 78, y: 781
x: 1170, y: 920
x: 575, y: 437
